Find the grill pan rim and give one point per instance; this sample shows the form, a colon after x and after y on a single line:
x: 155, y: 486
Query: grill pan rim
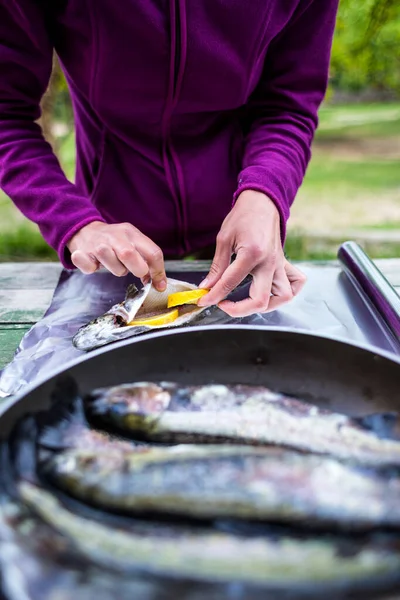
x: 368, y: 348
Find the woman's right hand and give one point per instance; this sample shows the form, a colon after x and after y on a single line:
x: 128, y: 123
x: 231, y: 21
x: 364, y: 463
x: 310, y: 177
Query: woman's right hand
x: 119, y: 248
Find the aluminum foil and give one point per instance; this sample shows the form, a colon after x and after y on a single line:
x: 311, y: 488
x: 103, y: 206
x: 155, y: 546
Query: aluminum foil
x: 328, y: 305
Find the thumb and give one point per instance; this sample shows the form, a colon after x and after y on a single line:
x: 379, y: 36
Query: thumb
x: 221, y: 262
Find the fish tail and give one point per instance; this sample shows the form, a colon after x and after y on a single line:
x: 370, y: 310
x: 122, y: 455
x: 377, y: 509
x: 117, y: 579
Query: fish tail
x: 65, y: 412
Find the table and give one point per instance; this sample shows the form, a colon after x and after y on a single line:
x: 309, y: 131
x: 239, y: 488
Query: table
x: 26, y: 290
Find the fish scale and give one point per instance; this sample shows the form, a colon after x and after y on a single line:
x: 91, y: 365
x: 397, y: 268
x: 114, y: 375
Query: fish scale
x: 207, y: 482
x: 167, y: 412
x: 160, y: 548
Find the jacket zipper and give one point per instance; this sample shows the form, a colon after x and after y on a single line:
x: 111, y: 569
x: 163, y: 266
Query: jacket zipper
x: 178, y: 40
x: 171, y: 161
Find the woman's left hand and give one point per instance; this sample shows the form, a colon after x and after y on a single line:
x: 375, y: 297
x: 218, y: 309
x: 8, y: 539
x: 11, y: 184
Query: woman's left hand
x: 251, y: 231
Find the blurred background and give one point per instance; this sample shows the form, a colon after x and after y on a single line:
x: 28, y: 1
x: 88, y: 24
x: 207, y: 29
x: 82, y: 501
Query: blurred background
x: 352, y: 187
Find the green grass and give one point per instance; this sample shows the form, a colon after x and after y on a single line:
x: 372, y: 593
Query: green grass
x: 361, y: 121
x: 23, y: 244
x: 353, y: 180
x: 366, y: 130
x: 342, y: 124
x: 20, y: 240
x: 301, y: 248
x: 386, y: 226
x: 335, y: 180
x: 369, y: 175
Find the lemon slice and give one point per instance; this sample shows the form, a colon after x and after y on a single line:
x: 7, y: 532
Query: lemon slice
x: 169, y: 316
x: 188, y: 297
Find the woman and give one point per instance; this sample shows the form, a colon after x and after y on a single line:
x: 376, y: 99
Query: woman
x: 194, y: 121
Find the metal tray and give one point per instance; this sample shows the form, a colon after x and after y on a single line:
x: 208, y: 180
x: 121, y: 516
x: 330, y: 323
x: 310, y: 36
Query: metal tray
x: 330, y: 372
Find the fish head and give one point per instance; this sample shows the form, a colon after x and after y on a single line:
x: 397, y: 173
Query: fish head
x: 139, y: 403
x: 140, y: 397
x: 103, y: 330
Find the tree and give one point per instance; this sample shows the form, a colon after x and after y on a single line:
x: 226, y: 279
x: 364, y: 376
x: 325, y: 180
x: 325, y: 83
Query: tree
x: 366, y: 46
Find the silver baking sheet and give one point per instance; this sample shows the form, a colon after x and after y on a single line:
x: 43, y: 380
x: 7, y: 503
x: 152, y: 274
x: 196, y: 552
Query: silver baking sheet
x: 328, y: 305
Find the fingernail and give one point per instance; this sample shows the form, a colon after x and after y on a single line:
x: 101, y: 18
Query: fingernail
x: 162, y: 285
x: 204, y: 283
x: 203, y: 302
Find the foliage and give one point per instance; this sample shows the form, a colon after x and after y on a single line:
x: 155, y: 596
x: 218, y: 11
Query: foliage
x: 24, y: 244
x: 366, y: 46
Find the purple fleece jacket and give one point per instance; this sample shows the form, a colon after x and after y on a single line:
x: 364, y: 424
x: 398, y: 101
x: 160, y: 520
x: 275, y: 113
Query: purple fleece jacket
x: 179, y: 106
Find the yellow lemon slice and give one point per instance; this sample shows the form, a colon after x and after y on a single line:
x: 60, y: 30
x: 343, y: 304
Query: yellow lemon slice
x: 189, y: 297
x: 158, y: 319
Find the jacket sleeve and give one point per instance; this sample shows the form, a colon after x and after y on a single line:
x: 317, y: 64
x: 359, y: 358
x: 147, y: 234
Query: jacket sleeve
x: 282, y: 111
x: 30, y: 173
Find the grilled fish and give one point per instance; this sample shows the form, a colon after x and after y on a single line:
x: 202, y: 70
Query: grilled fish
x: 206, y: 554
x: 239, y: 414
x: 79, y: 436
x: 141, y: 306
x: 64, y: 424
x: 210, y: 482
x: 39, y: 562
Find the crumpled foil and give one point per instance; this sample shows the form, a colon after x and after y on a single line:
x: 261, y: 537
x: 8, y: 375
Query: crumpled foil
x: 328, y: 305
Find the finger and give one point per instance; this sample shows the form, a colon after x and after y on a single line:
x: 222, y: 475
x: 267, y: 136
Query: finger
x: 153, y: 256
x: 221, y: 262
x: 259, y: 296
x: 282, y: 292
x: 107, y: 257
x: 296, y: 278
x: 86, y: 263
x: 230, y: 279
x: 131, y: 259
